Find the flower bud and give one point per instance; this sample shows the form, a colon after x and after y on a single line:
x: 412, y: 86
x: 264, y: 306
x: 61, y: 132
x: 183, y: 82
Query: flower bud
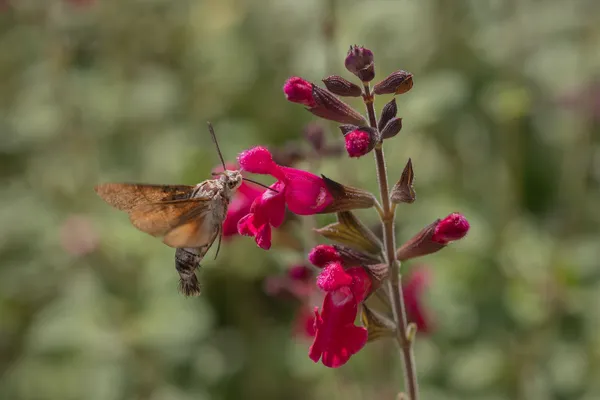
x: 397, y: 83
x: 360, y: 141
x: 389, y: 111
x: 420, y: 244
x: 297, y: 90
x: 455, y: 226
x: 434, y: 237
x: 360, y: 62
x: 342, y: 87
x: 328, y: 106
x: 392, y: 128
x: 323, y: 254
x: 357, y: 143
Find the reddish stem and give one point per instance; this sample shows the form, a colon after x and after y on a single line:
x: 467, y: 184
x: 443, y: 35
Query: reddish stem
x: 394, y: 286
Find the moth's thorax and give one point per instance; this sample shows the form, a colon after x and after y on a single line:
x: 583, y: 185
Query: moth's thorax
x: 223, y: 187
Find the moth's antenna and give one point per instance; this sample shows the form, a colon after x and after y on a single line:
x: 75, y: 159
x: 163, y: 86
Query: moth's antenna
x: 214, y: 138
x: 260, y: 184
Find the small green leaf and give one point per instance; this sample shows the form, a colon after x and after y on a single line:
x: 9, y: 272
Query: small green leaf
x: 378, y: 326
x: 351, y: 232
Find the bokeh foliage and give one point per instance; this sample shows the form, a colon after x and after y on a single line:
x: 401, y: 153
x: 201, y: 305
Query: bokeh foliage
x: 502, y: 125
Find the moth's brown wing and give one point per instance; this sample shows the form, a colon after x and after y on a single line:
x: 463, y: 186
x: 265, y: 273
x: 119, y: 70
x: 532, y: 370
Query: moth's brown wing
x: 127, y: 196
x: 181, y: 223
x: 199, y: 231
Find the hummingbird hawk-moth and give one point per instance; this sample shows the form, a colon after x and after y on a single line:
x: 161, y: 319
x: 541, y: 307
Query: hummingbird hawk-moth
x: 188, y: 218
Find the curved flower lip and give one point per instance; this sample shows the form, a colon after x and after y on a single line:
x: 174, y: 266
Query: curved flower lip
x: 259, y: 160
x: 336, y: 336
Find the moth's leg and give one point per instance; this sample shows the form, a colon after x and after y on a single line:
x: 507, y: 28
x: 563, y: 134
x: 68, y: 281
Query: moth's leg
x: 220, y: 234
x: 186, y: 261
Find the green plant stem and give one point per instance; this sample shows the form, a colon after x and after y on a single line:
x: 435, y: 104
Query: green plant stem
x: 394, y: 286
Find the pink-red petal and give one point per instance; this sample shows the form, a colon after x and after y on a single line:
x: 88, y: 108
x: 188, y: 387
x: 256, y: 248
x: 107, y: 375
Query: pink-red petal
x: 259, y: 160
x: 361, y: 283
x: 333, y: 277
x: 336, y: 338
x: 305, y: 193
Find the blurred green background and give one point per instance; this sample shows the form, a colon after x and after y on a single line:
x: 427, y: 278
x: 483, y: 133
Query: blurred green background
x: 502, y: 125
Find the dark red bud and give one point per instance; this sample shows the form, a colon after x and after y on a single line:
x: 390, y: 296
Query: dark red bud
x: 361, y: 141
x: 455, y: 226
x: 360, y: 62
x: 389, y: 111
x: 342, y: 87
x: 397, y: 83
x: 392, y: 128
x: 298, y: 90
x: 323, y: 254
x: 434, y: 237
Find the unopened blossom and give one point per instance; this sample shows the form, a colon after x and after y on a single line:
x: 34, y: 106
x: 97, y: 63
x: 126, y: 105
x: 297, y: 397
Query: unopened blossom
x: 454, y: 227
x: 323, y: 254
x: 298, y: 90
x: 358, y: 143
x: 360, y: 62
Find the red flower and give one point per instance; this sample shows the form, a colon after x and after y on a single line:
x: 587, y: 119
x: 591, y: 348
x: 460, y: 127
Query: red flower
x: 412, y: 289
x: 302, y: 192
x: 297, y: 90
x: 455, y: 226
x: 358, y: 143
x: 337, y: 338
